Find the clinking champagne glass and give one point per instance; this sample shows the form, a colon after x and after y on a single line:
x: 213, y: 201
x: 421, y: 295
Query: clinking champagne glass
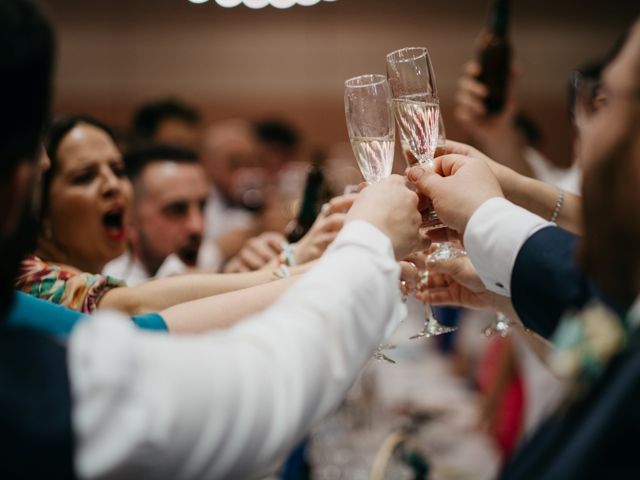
x: 367, y: 106
x: 417, y: 110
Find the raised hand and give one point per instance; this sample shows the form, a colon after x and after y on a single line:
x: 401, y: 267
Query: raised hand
x: 324, y: 229
x: 470, y: 110
x: 256, y: 252
x: 391, y: 207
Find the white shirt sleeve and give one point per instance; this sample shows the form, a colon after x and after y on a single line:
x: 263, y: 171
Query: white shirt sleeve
x: 229, y: 403
x: 493, y: 237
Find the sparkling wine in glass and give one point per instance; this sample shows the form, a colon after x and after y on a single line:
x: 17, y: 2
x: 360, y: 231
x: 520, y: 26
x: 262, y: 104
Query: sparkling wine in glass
x: 417, y: 117
x: 367, y: 106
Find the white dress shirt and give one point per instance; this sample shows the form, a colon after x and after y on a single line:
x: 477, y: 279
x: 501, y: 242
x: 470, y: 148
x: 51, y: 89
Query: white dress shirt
x: 130, y: 269
x: 493, y: 237
x: 229, y: 403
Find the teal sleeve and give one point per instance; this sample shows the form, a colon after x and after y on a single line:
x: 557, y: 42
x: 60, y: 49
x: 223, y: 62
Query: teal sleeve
x: 47, y: 317
x: 150, y: 321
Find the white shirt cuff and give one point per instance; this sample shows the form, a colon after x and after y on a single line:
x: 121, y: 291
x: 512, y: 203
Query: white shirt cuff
x: 493, y: 237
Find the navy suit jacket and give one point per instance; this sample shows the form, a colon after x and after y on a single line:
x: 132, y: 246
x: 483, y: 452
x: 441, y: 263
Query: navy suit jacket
x: 597, y: 436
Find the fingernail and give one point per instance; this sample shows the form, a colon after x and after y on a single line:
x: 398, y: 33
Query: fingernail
x: 415, y: 173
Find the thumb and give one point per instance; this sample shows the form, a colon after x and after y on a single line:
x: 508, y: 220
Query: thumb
x: 425, y: 180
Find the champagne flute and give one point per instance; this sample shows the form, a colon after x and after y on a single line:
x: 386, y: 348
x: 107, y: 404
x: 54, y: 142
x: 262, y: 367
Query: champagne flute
x: 417, y: 110
x: 367, y: 106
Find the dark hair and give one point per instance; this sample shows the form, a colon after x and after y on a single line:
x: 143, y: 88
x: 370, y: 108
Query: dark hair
x: 58, y: 130
x: 26, y: 63
x: 277, y: 133
x: 61, y: 126
x: 137, y: 159
x: 150, y: 115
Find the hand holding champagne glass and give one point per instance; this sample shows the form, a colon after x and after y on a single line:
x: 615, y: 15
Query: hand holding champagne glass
x: 417, y: 111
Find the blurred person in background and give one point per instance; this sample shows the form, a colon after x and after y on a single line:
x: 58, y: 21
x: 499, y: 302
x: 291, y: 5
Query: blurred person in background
x: 509, y: 137
x: 167, y: 214
x: 227, y: 147
x: 167, y: 121
x: 279, y: 143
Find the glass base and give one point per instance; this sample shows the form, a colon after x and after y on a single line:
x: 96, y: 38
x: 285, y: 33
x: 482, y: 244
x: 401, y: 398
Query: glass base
x: 501, y: 325
x: 433, y: 328
x: 445, y: 252
x: 380, y: 355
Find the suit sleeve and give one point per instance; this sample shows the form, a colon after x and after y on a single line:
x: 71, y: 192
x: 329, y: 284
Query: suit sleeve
x: 521, y: 255
x: 546, y: 281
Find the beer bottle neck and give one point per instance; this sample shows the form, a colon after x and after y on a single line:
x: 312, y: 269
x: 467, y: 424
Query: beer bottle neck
x: 499, y: 18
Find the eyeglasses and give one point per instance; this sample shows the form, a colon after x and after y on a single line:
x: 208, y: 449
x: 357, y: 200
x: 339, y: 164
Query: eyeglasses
x: 586, y: 95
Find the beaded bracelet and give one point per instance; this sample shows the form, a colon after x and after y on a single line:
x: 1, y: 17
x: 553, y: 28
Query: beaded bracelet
x: 282, y: 271
x: 286, y: 257
x: 558, y: 207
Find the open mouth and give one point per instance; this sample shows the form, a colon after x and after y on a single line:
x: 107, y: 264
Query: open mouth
x: 189, y: 255
x: 113, y: 222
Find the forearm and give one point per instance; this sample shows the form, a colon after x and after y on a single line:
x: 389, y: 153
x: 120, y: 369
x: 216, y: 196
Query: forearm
x: 223, y: 310
x: 541, y: 198
x: 157, y: 295
x: 507, y: 150
x: 229, y: 403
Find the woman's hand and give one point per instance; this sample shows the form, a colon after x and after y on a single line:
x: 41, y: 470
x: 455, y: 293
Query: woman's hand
x: 324, y: 230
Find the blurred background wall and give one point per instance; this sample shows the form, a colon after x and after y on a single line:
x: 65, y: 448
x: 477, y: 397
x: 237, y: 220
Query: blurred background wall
x: 291, y: 63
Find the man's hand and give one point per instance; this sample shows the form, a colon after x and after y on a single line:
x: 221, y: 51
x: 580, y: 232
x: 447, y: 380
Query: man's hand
x: 458, y: 185
x: 391, y: 207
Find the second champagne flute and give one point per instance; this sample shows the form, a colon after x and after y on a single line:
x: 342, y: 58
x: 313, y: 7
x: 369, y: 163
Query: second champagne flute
x: 417, y: 111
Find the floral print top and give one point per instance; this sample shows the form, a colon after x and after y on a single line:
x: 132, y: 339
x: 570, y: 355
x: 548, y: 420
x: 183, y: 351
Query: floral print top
x: 63, y: 284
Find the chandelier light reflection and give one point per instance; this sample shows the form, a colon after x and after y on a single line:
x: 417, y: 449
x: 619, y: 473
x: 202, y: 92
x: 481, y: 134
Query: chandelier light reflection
x: 255, y: 4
